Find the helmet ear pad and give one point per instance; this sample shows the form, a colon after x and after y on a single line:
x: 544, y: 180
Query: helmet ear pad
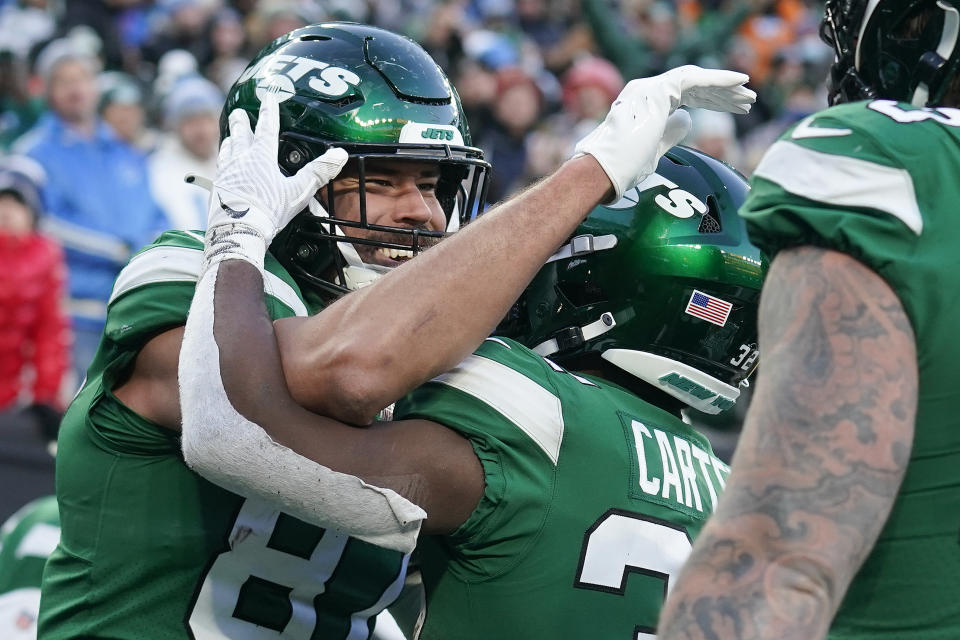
x: 309, y: 256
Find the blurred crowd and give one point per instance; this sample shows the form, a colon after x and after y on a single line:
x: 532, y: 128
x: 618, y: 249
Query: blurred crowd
x: 106, y: 104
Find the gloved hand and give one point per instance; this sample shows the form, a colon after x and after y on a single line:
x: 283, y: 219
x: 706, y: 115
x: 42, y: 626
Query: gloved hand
x: 643, y: 122
x: 251, y: 199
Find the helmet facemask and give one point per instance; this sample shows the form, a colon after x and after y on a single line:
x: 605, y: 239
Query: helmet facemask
x: 905, y: 51
x: 321, y: 230
x: 380, y: 97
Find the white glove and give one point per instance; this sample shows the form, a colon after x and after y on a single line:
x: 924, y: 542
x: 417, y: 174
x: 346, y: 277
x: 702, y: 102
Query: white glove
x: 251, y: 199
x: 643, y: 122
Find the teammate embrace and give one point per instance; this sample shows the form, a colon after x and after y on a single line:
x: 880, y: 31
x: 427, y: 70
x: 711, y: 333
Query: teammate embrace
x: 243, y: 501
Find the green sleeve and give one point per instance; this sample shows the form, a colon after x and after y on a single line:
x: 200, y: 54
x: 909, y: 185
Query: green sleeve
x: 831, y: 183
x: 493, y: 398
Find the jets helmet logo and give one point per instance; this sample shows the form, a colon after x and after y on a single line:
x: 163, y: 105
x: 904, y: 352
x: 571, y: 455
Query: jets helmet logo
x: 280, y: 74
x: 676, y: 202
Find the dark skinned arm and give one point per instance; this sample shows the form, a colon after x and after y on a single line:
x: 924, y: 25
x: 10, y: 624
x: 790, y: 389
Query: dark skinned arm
x: 422, y: 461
x: 823, y: 452
x: 426, y: 463
x: 427, y: 306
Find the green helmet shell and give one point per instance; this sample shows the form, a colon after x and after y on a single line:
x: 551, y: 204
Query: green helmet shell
x: 375, y: 94
x: 344, y: 82
x: 624, y: 287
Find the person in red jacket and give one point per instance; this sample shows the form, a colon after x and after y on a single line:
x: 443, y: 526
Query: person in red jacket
x: 34, y: 331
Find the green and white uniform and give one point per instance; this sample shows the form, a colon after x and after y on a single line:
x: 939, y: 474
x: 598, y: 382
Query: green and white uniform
x: 149, y: 549
x: 592, y: 498
x: 880, y: 181
x: 26, y: 539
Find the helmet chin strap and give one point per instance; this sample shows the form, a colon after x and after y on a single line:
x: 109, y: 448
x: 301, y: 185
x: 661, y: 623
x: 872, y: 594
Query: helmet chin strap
x: 575, y: 336
x: 357, y: 273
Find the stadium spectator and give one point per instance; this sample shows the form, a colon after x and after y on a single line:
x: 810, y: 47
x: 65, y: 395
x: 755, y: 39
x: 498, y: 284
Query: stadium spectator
x: 97, y: 198
x: 774, y: 27
x: 34, y: 333
x: 655, y: 40
x: 19, y: 110
x: 191, y: 114
x: 122, y: 107
x: 227, y: 38
x: 179, y: 24
x: 588, y: 89
x: 270, y: 20
x: 477, y: 86
x: 516, y: 110
x: 715, y: 133
x: 24, y: 23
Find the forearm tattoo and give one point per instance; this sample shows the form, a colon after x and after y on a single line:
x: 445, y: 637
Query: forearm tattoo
x: 823, y: 451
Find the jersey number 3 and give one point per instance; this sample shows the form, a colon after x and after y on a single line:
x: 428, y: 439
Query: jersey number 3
x: 622, y: 542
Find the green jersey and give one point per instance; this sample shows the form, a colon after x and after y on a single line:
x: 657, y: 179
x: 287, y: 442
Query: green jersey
x: 592, y: 499
x: 26, y: 539
x: 880, y: 181
x: 149, y: 549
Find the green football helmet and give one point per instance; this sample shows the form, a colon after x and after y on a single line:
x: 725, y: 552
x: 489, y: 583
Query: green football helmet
x: 664, y: 284
x: 884, y: 51
x: 378, y: 95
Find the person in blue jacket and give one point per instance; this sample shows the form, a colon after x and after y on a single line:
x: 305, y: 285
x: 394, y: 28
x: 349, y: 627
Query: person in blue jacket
x: 97, y: 195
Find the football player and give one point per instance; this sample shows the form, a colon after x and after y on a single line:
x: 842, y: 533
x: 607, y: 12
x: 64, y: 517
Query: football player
x: 150, y: 548
x: 545, y: 490
x: 840, y: 516
x: 26, y: 539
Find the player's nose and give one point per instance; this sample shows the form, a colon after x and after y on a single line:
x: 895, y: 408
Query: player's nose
x: 419, y: 210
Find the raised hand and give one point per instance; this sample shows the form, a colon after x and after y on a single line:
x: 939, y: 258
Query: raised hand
x: 251, y: 200
x: 643, y: 122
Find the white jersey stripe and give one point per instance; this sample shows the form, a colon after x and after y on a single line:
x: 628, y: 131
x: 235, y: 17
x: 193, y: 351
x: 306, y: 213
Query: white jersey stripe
x: 183, y: 264
x: 39, y: 542
x: 842, y: 181
x: 533, y: 409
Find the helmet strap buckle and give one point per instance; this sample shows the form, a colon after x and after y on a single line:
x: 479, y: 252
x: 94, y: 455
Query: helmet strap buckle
x: 583, y: 245
x: 931, y: 67
x: 569, y: 338
x: 573, y: 337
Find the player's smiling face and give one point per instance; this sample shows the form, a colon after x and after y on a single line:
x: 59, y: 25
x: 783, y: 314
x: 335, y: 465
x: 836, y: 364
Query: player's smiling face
x: 399, y: 193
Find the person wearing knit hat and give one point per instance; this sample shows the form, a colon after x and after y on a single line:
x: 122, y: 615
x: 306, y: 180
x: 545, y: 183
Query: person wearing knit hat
x: 34, y: 332
x: 189, y: 145
x: 589, y: 86
x: 122, y: 107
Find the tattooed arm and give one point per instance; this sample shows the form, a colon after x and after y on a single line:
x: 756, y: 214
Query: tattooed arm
x: 822, y: 454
